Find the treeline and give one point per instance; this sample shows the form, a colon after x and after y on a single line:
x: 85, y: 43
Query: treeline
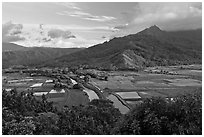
x: 23, y: 114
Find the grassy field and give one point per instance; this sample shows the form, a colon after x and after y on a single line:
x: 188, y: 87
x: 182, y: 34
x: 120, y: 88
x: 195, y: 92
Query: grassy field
x: 22, y: 82
x: 76, y: 97
x: 130, y: 86
x: 187, y: 79
x: 71, y: 97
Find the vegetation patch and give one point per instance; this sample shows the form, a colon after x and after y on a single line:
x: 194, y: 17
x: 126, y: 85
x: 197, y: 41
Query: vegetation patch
x: 22, y: 114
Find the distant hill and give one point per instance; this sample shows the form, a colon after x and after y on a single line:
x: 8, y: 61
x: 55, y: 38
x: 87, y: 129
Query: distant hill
x: 12, y: 47
x: 32, y: 56
x: 149, y: 47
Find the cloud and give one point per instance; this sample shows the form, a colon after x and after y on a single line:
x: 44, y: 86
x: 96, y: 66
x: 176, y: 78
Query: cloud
x: 59, y: 42
x: 45, y: 36
x: 167, y: 15
x: 10, y: 32
x: 78, y: 12
x: 127, y: 17
x: 77, y: 42
x: 86, y: 16
x: 103, y: 37
x: 120, y: 27
x: 163, y: 12
x: 69, y: 5
x: 57, y: 33
x: 90, y: 29
x: 197, y: 5
x: 80, y: 28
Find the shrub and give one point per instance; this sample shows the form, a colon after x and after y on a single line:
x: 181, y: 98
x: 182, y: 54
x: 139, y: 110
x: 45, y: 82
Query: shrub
x: 78, y: 86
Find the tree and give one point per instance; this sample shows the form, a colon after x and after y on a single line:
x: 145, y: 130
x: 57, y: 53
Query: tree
x: 24, y: 127
x: 19, y: 111
x: 78, y: 86
x: 182, y: 115
x: 23, y: 114
x: 46, y: 124
x: 98, y: 117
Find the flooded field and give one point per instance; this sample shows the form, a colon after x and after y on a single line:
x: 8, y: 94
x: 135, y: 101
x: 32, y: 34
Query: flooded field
x: 22, y: 81
x: 184, y: 82
x: 128, y: 95
x: 128, y: 86
x: 146, y: 84
x: 40, y: 93
x: 57, y: 91
x: 36, y: 85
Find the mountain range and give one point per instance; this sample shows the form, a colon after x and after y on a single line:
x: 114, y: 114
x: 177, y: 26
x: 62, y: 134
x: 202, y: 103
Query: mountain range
x: 14, y: 54
x: 12, y: 47
x: 150, y: 47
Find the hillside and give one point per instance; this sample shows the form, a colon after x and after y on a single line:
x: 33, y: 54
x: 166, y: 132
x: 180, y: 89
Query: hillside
x: 33, y: 56
x: 12, y: 47
x: 149, y: 47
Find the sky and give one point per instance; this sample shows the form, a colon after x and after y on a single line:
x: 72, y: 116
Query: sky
x: 84, y: 24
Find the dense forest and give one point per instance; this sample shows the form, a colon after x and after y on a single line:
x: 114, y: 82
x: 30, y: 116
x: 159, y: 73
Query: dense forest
x: 150, y: 47
x: 23, y: 114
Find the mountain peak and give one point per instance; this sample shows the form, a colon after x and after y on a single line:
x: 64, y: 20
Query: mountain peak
x: 153, y: 30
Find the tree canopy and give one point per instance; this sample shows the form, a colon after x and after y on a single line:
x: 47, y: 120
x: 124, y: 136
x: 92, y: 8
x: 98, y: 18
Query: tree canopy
x: 23, y: 114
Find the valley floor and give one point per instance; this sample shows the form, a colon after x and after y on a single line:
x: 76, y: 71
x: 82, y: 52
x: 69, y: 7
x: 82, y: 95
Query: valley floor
x: 166, y: 82
x: 124, y: 88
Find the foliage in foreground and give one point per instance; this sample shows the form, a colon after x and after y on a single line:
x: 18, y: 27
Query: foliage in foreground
x: 181, y: 115
x: 23, y: 114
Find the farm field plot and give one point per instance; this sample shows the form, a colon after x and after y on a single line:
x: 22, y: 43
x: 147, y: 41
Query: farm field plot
x: 23, y: 82
x: 48, y: 85
x: 173, y: 92
x: 128, y: 86
x: 184, y: 82
x: 57, y: 91
x: 113, y: 82
x: 134, y: 82
x: 40, y: 93
x: 151, y: 93
x: 128, y: 95
x: 147, y: 85
x: 197, y: 74
x: 72, y: 97
x: 56, y: 100
x: 43, y: 85
x: 36, y: 85
x: 75, y: 97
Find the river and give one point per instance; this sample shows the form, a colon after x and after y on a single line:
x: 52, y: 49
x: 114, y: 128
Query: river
x: 92, y: 95
x: 117, y: 104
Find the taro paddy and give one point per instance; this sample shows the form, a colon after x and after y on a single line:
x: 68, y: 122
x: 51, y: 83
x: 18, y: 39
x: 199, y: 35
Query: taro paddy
x: 166, y: 82
x: 123, y: 88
